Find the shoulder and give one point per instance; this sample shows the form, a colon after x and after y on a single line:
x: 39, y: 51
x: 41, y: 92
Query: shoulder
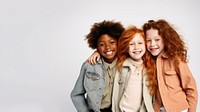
x: 86, y: 64
x: 126, y: 64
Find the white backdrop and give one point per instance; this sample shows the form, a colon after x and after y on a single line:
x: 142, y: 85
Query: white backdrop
x: 42, y: 44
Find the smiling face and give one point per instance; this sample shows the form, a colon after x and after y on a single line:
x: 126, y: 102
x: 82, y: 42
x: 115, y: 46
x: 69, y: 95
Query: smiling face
x: 155, y: 43
x: 107, y: 47
x: 137, y: 47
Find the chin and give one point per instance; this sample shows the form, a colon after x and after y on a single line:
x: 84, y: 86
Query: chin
x: 154, y: 53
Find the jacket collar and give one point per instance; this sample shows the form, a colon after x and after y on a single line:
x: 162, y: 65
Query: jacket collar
x: 108, y: 65
x: 126, y: 63
x: 100, y: 61
x: 164, y: 55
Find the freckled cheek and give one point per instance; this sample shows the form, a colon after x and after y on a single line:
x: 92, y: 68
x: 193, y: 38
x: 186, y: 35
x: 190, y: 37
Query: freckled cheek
x: 144, y: 48
x: 148, y: 45
x: 130, y: 48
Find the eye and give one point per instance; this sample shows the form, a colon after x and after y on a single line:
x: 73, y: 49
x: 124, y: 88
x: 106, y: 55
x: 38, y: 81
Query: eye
x: 131, y: 43
x: 101, y: 44
x: 140, y: 42
x: 148, y: 40
x: 112, y: 42
x: 157, y: 40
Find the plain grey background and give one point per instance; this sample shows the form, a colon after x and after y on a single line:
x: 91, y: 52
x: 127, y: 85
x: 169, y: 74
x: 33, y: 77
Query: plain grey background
x: 42, y: 44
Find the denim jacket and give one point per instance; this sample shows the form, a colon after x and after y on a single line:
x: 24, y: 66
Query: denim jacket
x: 88, y: 90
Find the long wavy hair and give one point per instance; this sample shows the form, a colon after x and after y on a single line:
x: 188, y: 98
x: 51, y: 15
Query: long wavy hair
x: 123, y: 48
x: 174, y: 45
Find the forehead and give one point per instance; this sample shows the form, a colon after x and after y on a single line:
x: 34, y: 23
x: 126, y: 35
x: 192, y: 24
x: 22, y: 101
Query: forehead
x: 137, y: 37
x: 152, y: 33
x: 106, y: 37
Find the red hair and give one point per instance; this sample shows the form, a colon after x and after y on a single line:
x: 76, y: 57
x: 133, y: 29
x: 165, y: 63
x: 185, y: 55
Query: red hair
x: 174, y: 46
x: 123, y: 48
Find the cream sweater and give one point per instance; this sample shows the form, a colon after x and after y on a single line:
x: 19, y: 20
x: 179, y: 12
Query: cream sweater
x: 132, y: 98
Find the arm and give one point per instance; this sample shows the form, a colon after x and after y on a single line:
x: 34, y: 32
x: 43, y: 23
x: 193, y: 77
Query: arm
x: 78, y: 93
x: 188, y: 85
x: 94, y: 58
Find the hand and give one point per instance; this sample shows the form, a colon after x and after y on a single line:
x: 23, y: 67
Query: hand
x: 94, y: 58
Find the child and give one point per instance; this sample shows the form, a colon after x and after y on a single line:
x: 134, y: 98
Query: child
x: 135, y: 81
x: 177, y: 91
x: 133, y: 88
x: 93, y: 89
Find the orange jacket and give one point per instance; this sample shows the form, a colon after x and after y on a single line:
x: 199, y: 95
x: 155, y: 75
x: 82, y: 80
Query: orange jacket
x: 177, y: 86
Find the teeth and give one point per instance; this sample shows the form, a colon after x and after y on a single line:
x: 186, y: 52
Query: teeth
x: 137, y: 52
x: 153, y: 49
x: 110, y: 52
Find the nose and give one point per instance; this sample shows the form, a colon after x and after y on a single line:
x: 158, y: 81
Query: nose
x: 107, y: 46
x: 153, y: 43
x: 135, y: 46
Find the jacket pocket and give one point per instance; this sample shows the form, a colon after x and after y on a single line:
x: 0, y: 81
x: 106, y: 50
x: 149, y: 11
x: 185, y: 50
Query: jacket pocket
x: 171, y: 79
x: 92, y: 80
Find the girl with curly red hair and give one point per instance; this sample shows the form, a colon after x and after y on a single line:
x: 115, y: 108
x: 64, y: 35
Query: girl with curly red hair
x: 177, y: 90
x: 135, y: 80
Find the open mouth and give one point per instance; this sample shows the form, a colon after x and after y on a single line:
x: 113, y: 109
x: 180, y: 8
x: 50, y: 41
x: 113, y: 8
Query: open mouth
x: 137, y: 52
x: 109, y: 52
x: 154, y: 49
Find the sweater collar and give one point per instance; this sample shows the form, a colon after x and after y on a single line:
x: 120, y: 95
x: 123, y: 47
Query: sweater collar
x: 129, y: 62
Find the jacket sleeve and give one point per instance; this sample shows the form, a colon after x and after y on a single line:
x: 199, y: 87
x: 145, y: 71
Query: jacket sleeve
x: 78, y: 93
x: 189, y: 85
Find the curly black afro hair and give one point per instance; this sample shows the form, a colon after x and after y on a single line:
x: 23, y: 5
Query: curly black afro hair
x: 113, y: 29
